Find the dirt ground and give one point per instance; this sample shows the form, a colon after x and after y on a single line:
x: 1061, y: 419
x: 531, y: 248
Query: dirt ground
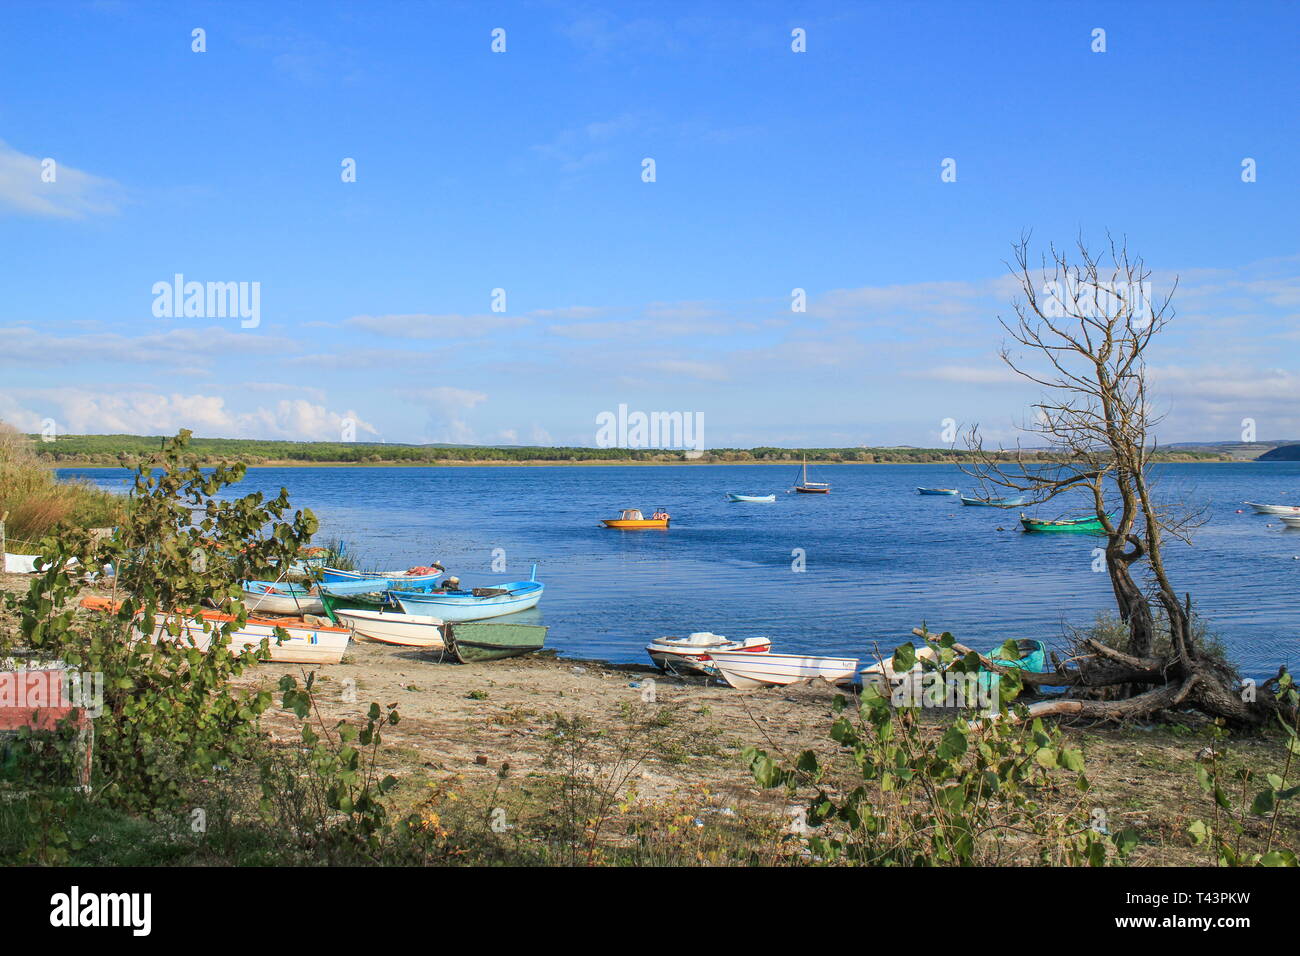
x: 466, y: 721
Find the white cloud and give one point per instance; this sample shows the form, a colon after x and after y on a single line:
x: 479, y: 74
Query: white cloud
x: 74, y: 194
x: 86, y: 411
x: 21, y: 345
x: 423, y: 326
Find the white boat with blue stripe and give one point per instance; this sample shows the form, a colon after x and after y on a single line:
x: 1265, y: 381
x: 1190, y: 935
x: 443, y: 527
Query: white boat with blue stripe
x: 476, y: 604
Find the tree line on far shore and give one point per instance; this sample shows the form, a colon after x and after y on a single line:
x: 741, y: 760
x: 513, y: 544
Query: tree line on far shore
x: 108, y: 450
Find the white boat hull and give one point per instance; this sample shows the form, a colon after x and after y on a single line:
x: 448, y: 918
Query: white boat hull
x: 1275, y: 509
x: 743, y: 670
x: 259, y: 602
x: 1291, y: 521
x: 305, y: 645
x: 679, y: 655
x: 392, y: 627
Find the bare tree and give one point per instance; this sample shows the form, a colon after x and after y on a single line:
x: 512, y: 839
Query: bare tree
x: 1081, y: 333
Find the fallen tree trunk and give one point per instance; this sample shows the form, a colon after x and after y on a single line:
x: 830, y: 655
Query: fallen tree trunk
x: 1207, y: 686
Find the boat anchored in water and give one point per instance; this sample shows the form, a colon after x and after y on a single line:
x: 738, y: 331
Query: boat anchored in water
x: 937, y: 491
x: 807, y: 487
x: 1274, y: 509
x: 632, y: 518
x: 756, y: 499
x: 992, y: 502
x: 1089, y: 525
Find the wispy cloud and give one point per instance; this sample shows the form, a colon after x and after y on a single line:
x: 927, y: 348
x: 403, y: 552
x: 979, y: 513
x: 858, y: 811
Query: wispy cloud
x: 72, y: 193
x: 424, y: 326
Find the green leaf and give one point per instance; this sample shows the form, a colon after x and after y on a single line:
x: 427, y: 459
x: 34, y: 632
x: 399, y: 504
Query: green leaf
x: 904, y: 658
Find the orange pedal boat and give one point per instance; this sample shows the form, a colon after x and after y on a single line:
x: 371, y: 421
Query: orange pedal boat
x: 631, y: 518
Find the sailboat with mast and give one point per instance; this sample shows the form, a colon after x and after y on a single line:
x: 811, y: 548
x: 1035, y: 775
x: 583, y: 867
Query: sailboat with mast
x: 811, y: 487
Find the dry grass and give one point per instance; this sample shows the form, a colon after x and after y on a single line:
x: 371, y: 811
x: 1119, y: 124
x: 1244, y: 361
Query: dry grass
x: 38, y: 504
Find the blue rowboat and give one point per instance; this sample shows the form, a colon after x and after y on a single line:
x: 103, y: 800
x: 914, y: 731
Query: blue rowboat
x: 937, y: 491
x: 992, y: 502
x: 332, y: 575
x: 760, y: 499
x: 474, y: 605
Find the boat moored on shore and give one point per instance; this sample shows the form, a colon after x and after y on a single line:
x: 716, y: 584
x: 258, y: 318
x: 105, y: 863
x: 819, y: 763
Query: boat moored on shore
x: 476, y: 604
x: 692, y: 653
x: 744, y: 670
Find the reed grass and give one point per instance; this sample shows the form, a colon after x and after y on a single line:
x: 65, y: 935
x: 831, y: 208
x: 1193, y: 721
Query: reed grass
x: 37, y: 503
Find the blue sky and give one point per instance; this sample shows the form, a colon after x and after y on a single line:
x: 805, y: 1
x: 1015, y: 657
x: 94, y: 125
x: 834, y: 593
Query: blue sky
x: 522, y: 171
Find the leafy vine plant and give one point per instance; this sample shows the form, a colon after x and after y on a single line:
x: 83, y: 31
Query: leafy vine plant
x: 169, y: 713
x: 993, y: 787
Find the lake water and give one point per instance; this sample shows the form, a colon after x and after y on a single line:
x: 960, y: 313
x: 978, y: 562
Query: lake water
x: 878, y: 559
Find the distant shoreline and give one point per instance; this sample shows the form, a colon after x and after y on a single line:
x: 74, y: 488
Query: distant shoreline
x: 604, y: 463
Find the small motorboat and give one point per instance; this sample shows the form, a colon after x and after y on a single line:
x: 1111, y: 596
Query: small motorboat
x: 937, y: 491
x: 281, y: 597
x: 308, y: 642
x: 451, y: 603
x: 743, y: 670
x: 992, y: 502
x: 691, y: 653
x: 1291, y: 521
x: 631, y: 518
x: 756, y: 499
x: 411, y: 576
x: 1090, y: 525
x: 394, y: 627
x: 1274, y: 509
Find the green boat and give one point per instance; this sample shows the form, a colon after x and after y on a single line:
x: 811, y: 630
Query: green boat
x: 1090, y: 525
x: 475, y: 641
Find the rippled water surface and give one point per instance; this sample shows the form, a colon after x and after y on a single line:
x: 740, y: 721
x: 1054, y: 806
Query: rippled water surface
x: 879, y: 558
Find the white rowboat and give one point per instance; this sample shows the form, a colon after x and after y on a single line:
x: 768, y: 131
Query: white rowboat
x: 1291, y: 521
x: 693, y: 653
x: 270, y: 597
x: 744, y: 670
x: 306, y: 644
x: 393, y: 627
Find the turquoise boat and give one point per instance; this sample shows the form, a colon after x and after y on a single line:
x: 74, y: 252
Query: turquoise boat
x: 1091, y: 525
x: 757, y: 499
x: 1033, y: 658
x: 992, y: 502
x: 937, y: 491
